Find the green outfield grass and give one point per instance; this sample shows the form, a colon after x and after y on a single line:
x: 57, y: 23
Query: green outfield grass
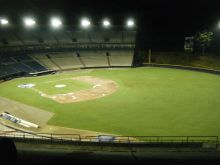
x: 149, y: 101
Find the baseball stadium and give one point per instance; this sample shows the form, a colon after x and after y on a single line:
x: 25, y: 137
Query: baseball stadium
x: 93, y: 89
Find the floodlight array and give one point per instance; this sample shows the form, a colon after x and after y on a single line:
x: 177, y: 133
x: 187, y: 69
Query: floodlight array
x: 56, y: 22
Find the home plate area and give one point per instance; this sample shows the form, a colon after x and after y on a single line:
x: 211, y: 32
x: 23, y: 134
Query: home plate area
x: 101, y: 87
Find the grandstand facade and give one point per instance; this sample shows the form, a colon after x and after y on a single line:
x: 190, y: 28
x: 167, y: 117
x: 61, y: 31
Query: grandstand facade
x: 34, y: 51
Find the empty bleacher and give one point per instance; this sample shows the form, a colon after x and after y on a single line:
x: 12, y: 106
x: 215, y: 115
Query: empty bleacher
x: 44, y: 61
x: 85, y: 58
x: 42, y: 49
x: 57, y: 61
x: 79, y: 37
x: 22, y: 57
x: 48, y: 38
x: 62, y: 38
x: 129, y: 37
x: 35, y: 66
x: 121, y: 58
x: 116, y: 37
x: 12, y: 64
x: 10, y: 39
x: 21, y: 67
x: 28, y: 38
x: 7, y: 69
x: 66, y: 60
x: 94, y: 58
x: 6, y: 60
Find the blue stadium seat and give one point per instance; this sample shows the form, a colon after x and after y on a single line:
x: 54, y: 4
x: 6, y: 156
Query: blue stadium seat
x: 36, y: 66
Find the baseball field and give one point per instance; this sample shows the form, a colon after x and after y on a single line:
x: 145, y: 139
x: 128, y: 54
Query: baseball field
x: 131, y: 101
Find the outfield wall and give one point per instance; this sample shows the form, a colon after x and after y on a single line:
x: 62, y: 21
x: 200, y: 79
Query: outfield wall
x: 212, y: 71
x: 210, y: 61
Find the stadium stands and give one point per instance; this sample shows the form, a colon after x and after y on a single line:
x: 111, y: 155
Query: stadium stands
x: 85, y: 58
x: 5, y: 70
x: 79, y: 37
x: 10, y: 39
x: 28, y: 38
x: 121, y: 58
x: 17, y: 64
x: 35, y: 66
x: 21, y: 67
x: 94, y: 58
x: 129, y: 37
x: 41, y: 50
x: 106, y: 37
x: 45, y: 61
x: 64, y: 60
x: 63, y: 38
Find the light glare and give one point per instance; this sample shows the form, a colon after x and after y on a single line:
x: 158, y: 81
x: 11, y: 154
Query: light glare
x: 106, y: 23
x: 29, y: 22
x: 4, y: 21
x: 85, y: 23
x: 56, y: 22
x: 130, y: 23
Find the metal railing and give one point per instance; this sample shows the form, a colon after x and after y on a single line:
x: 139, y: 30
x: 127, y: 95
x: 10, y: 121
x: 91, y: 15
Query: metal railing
x: 109, y: 138
x: 160, y: 139
x: 77, y: 46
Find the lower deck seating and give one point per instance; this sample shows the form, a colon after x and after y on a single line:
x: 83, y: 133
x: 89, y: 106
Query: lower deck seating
x: 64, y: 60
x: 85, y: 58
x: 21, y: 67
x: 121, y: 58
x: 35, y: 66
x: 45, y: 61
x: 6, y: 70
x: 94, y: 58
x: 10, y: 65
x: 58, y: 61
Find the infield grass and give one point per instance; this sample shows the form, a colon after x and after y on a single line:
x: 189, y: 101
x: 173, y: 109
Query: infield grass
x: 49, y: 87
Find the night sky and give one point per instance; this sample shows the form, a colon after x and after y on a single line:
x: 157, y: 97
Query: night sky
x: 162, y: 24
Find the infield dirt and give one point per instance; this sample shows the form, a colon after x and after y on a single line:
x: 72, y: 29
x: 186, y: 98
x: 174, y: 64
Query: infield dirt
x: 101, y: 88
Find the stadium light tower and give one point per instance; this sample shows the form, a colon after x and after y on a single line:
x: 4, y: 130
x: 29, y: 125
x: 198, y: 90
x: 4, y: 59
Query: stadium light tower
x: 85, y: 23
x: 55, y: 22
x: 4, y: 21
x: 29, y: 22
x: 130, y: 23
x: 106, y: 23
